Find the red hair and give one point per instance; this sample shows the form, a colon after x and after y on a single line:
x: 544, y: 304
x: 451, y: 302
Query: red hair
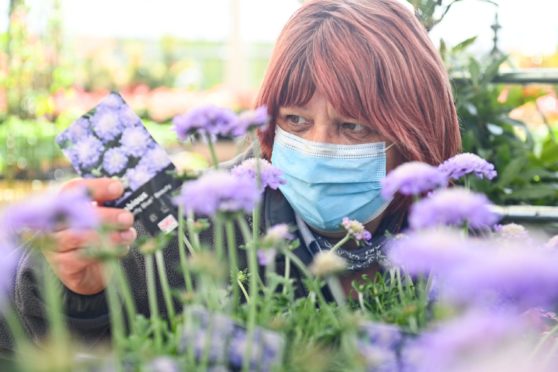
x: 374, y: 62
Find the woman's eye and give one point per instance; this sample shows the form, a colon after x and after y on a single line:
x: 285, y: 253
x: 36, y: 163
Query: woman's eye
x: 353, y: 127
x: 295, y: 119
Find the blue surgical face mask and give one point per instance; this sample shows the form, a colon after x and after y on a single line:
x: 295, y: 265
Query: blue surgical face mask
x: 326, y: 182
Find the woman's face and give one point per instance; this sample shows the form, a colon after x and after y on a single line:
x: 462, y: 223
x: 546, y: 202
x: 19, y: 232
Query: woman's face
x: 318, y: 121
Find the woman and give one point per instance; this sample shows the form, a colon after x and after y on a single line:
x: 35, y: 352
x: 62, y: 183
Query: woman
x: 354, y: 88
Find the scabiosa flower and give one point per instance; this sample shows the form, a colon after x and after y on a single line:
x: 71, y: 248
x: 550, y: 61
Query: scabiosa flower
x: 249, y: 120
x: 355, y: 229
x: 45, y: 213
x: 465, y: 340
x: 552, y: 243
x: 114, y: 161
x: 135, y: 141
x: 8, y: 264
x: 463, y: 164
x: 512, y: 232
x: 266, y: 256
x: 75, y: 132
x: 387, y: 336
x: 218, y: 191
x: 412, y: 178
x: 112, y: 101
x: 454, y: 207
x: 155, y: 159
x: 138, y: 176
x: 277, y: 234
x: 516, y: 277
x: 270, y: 176
x: 436, y: 251
x: 163, y: 364
x: 128, y: 117
x: 206, y: 120
x: 106, y: 124
x: 327, y: 263
x: 87, y: 151
x: 266, y: 349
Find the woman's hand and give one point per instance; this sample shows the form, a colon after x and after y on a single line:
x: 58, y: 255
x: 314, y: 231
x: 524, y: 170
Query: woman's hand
x: 78, y: 273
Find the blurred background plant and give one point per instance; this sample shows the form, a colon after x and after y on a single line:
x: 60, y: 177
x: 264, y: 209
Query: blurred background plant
x: 49, y: 75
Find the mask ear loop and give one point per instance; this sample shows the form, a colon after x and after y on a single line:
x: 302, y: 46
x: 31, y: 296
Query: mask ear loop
x: 389, y: 147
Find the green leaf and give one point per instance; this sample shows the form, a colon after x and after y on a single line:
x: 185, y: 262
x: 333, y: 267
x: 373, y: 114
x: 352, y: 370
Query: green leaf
x: 532, y: 192
x: 511, y: 171
x: 463, y: 45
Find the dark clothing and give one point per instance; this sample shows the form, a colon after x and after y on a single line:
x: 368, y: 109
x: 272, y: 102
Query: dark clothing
x: 87, y: 316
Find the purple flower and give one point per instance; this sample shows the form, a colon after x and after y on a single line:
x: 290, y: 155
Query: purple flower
x: 266, y: 349
x: 155, y: 159
x: 135, y: 140
x: 114, y: 161
x: 87, y: 151
x: 249, y: 120
x: 467, y: 163
x: 112, y: 101
x: 106, y: 124
x: 464, y: 341
x: 277, y: 234
x: 386, y: 336
x: 552, y: 243
x: 45, y: 213
x: 138, y: 176
x: 163, y: 364
x: 206, y: 120
x: 454, y: 207
x: 413, y: 178
x: 218, y: 191
x: 270, y: 176
x: 8, y: 264
x: 436, y: 251
x: 517, y: 277
x: 266, y: 256
x: 128, y: 117
x: 356, y: 229
x: 75, y: 132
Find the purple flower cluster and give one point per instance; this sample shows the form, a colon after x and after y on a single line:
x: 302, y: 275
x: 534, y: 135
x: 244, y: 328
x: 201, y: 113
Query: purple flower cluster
x: 72, y: 208
x: 135, y: 140
x: 227, y: 342
x: 476, y: 272
x: 270, y: 176
x: 463, y: 164
x: 250, y: 120
x: 106, y: 124
x: 437, y: 251
x: 212, y: 121
x: 355, y: 229
x: 379, y: 345
x: 111, y: 141
x: 115, y: 160
x: 218, y: 191
x: 87, y: 151
x: 458, y: 344
x: 10, y: 257
x: 412, y: 178
x: 453, y: 207
x: 207, y: 120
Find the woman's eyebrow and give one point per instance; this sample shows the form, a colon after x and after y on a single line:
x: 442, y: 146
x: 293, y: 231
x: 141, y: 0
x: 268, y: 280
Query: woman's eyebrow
x: 296, y: 109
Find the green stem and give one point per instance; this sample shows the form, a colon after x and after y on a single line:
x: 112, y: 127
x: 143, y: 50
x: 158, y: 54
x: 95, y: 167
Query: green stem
x: 341, y: 242
x: 152, y: 298
x: 213, y: 153
x: 14, y: 324
x: 218, y: 237
x: 182, y: 252
x: 337, y: 290
x: 287, y: 273
x: 115, y: 311
x: 233, y: 262
x: 160, y: 260
x: 254, y: 276
x: 315, y: 288
x: 244, y: 291
x: 196, y: 246
x: 53, y: 304
x: 124, y: 288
